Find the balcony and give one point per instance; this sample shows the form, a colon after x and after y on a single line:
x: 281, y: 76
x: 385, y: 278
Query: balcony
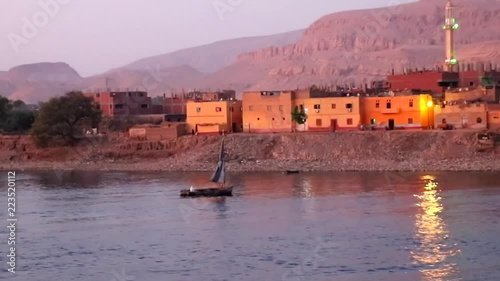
x: 393, y: 110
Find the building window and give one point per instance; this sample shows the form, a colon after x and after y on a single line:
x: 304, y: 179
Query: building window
x: 110, y: 106
x: 443, y: 121
x: 317, y: 106
x: 144, y: 106
x: 349, y: 121
x: 285, y: 118
x: 258, y: 119
x: 348, y: 106
x: 334, y: 106
x: 318, y: 122
x: 273, y: 118
x: 388, y: 105
x: 119, y: 105
x: 198, y: 109
x: 410, y: 120
x: 250, y: 108
x: 218, y: 109
x: 373, y: 121
x: 495, y: 117
x: 471, y: 83
x: 141, y: 94
x: 97, y: 95
x: 232, y: 109
x: 281, y: 108
x: 479, y: 120
x: 411, y: 103
x: 269, y: 108
x: 377, y: 104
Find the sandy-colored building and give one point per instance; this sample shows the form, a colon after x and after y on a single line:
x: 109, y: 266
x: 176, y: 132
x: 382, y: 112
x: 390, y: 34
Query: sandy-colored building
x: 267, y: 111
x: 398, y: 112
x: 214, y: 117
x: 461, y: 114
x: 475, y: 93
x: 330, y: 113
x: 493, y: 116
x: 157, y: 132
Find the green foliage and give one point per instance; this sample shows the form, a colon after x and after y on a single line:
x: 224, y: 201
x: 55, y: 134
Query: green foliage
x: 5, y: 108
x: 299, y: 116
x: 487, y: 81
x: 19, y: 121
x: 60, y: 121
x: 15, y: 116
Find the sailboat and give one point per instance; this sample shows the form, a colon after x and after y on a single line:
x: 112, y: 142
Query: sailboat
x: 219, y: 177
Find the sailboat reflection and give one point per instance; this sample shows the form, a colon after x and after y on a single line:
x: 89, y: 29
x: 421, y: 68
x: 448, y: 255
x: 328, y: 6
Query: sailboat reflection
x: 434, y: 251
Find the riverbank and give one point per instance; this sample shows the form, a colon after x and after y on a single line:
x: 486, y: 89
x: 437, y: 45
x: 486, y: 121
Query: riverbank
x: 346, y: 151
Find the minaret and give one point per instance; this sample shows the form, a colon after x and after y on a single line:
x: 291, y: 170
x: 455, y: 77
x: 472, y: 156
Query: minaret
x: 449, y: 28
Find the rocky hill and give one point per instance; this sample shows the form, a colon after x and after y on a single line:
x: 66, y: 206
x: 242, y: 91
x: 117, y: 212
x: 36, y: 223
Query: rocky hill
x: 37, y: 82
x: 347, y: 47
x: 212, y: 57
x: 357, y: 46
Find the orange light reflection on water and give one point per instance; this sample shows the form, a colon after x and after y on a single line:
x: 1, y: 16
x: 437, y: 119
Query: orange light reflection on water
x: 431, y: 231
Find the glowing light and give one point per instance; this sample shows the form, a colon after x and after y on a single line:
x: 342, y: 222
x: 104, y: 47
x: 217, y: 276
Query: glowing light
x: 430, y: 103
x: 455, y: 26
x: 435, y: 251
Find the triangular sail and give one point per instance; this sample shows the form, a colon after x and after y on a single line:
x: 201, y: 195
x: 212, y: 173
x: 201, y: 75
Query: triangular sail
x: 219, y: 175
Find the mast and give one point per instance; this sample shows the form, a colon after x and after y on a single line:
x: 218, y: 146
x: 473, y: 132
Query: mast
x: 219, y: 175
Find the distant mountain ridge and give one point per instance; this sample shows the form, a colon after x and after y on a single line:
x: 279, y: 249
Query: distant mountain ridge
x: 347, y: 47
x: 212, y: 57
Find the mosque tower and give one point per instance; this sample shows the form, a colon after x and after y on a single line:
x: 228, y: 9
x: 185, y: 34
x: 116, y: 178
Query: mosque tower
x: 449, y: 28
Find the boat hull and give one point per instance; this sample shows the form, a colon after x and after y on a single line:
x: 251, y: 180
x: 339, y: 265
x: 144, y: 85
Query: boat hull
x: 208, y: 192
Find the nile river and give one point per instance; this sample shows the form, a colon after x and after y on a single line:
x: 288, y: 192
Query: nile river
x: 319, y: 226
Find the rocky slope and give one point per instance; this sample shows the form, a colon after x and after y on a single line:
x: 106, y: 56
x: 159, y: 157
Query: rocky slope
x: 352, y: 47
x: 361, y: 151
x: 212, y: 57
x: 357, y: 46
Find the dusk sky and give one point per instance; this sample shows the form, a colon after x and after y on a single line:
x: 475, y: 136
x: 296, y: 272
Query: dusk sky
x: 94, y: 36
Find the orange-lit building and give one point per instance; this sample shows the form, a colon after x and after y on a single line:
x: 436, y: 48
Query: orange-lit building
x: 393, y: 112
x: 331, y: 113
x: 122, y: 103
x: 493, y: 116
x: 267, y: 111
x: 214, y: 117
x: 176, y: 103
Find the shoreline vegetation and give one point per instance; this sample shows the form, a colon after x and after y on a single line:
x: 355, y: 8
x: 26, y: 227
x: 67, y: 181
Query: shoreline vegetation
x: 306, y: 152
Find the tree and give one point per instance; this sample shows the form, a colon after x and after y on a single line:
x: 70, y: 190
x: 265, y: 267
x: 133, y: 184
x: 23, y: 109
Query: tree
x: 5, y: 107
x: 60, y: 120
x: 19, y: 121
x: 299, y: 116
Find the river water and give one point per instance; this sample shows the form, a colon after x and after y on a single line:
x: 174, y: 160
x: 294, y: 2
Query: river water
x: 319, y: 226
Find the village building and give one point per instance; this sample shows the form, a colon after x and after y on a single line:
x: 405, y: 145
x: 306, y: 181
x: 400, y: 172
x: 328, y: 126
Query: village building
x: 267, y: 111
x: 120, y: 104
x: 214, y: 117
x: 157, y: 132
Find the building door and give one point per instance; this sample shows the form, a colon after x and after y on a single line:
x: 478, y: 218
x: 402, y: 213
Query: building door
x: 333, y: 125
x: 391, y: 124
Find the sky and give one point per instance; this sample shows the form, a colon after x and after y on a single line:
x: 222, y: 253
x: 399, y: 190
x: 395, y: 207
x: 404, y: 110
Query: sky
x: 94, y: 36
